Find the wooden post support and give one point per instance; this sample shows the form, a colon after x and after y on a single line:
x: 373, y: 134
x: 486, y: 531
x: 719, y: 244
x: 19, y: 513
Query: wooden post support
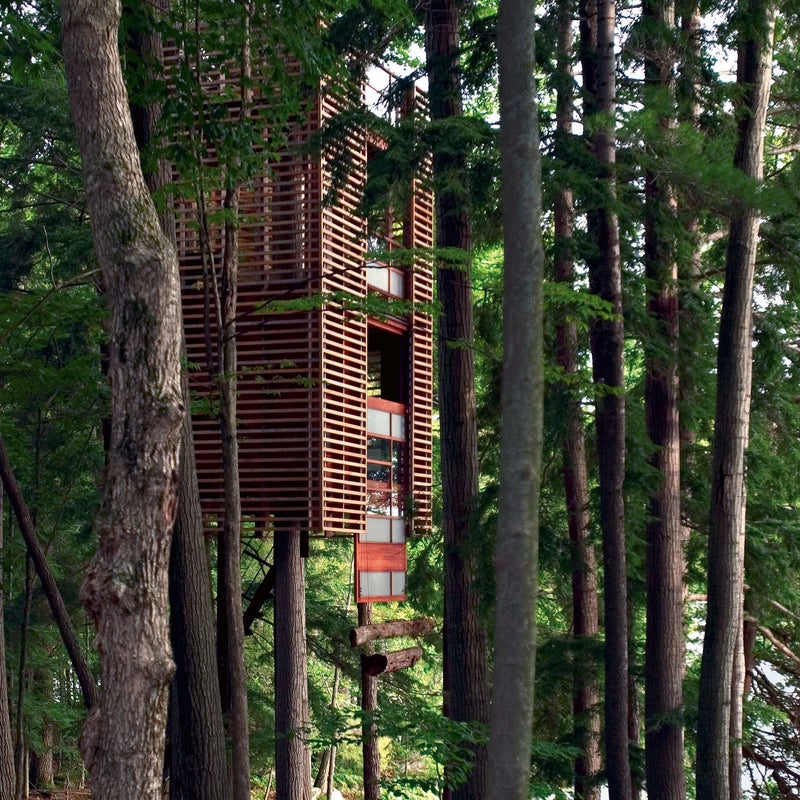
x: 388, y: 630
x: 381, y: 663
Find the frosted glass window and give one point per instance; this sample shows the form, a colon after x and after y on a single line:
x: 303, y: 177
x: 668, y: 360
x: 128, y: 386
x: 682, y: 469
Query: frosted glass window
x: 398, y: 583
x: 399, y: 426
x: 378, y: 277
x: 376, y: 584
x: 396, y: 284
x: 379, y: 422
x: 398, y: 530
x: 379, y: 529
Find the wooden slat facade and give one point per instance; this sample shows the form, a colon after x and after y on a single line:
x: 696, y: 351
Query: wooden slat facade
x: 302, y: 375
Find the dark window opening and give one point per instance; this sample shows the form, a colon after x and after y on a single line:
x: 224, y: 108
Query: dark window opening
x: 387, y: 366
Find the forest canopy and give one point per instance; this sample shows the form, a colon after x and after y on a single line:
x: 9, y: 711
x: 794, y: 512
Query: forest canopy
x: 654, y: 171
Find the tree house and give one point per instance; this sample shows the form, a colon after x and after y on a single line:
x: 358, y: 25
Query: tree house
x: 334, y: 405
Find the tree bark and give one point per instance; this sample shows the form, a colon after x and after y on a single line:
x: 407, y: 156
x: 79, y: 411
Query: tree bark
x: 585, y: 619
x: 371, y: 754
x: 197, y: 737
x: 41, y: 762
x: 388, y: 630
x: 292, y: 756
x: 125, y: 590
x: 516, y: 549
x: 598, y: 26
x: 20, y: 743
x: 465, y: 653
x: 722, y: 640
x: 6, y: 743
x: 664, y: 651
x: 39, y: 560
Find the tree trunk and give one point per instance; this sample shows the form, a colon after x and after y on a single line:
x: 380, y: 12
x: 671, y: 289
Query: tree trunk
x: 41, y: 762
x: 229, y: 546
x: 598, y: 25
x: 722, y: 640
x: 465, y: 655
x: 585, y: 624
x: 664, y: 534
x: 197, y: 737
x: 229, y: 543
x: 516, y: 549
x: 20, y: 743
x: 292, y: 755
x: 125, y: 591
x: 6, y: 743
x: 371, y: 764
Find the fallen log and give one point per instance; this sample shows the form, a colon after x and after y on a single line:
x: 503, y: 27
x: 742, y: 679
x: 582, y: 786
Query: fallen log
x: 388, y: 630
x: 381, y: 663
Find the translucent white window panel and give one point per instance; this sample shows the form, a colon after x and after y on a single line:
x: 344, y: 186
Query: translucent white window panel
x: 379, y: 422
x: 378, y: 277
x: 397, y: 284
x: 398, y: 583
x: 398, y: 530
x: 376, y: 584
x: 399, y: 426
x: 379, y: 529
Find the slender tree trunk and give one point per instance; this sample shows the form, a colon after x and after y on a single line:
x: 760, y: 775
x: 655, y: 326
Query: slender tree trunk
x: 516, y: 550
x: 598, y: 25
x: 229, y: 543
x: 229, y: 547
x: 125, y: 590
x: 665, y: 561
x: 586, y: 692
x: 20, y: 743
x: 6, y: 743
x: 465, y: 654
x: 47, y: 579
x: 371, y: 762
x: 723, y: 640
x: 292, y: 755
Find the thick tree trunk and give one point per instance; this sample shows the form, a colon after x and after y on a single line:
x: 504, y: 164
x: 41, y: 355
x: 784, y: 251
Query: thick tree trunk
x: 6, y: 743
x: 371, y: 754
x: 585, y: 620
x: 125, y: 590
x: 41, y: 761
x: 465, y: 654
x: 197, y: 738
x: 46, y: 578
x: 516, y: 549
x: 715, y: 739
x: 292, y: 755
x: 665, y: 560
x: 598, y: 25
